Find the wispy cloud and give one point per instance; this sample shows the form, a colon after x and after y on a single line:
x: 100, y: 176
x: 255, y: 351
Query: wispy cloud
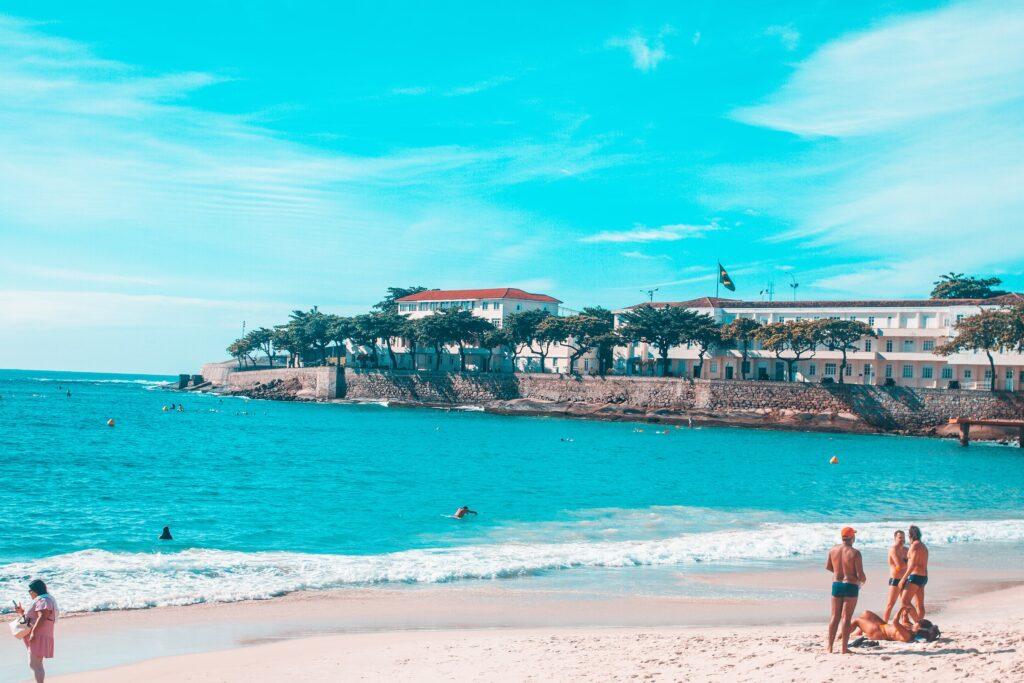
x: 647, y: 53
x: 787, y: 35
x: 924, y: 150
x: 961, y: 58
x: 665, y: 233
x: 459, y: 90
x: 639, y: 255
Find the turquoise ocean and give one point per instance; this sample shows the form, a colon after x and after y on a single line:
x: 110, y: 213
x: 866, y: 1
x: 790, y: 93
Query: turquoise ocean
x: 265, y: 498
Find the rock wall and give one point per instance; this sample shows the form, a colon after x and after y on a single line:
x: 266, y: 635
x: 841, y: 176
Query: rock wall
x: 315, y: 383
x: 861, y: 407
x: 430, y: 387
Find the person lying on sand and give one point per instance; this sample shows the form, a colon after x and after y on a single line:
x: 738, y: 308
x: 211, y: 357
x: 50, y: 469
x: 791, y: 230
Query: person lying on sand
x: 462, y: 512
x: 900, y: 630
x: 847, y: 568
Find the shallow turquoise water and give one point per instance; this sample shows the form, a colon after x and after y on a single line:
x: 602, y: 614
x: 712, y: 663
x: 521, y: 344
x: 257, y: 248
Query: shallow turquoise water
x: 266, y: 497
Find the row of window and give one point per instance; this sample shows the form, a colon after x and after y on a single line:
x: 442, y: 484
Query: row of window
x: 435, y: 305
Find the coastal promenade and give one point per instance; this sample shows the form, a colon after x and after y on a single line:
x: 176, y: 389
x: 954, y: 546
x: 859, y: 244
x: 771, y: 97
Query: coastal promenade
x: 784, y: 405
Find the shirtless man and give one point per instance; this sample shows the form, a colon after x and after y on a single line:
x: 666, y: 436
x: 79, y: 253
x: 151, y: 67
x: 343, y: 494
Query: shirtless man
x: 916, y: 576
x: 897, y: 570
x: 900, y: 630
x: 463, y: 511
x: 847, y: 569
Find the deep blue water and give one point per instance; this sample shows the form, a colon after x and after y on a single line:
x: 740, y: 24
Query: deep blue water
x: 352, y: 494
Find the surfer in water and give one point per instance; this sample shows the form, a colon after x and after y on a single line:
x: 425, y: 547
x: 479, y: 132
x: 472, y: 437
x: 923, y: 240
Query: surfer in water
x: 463, y: 511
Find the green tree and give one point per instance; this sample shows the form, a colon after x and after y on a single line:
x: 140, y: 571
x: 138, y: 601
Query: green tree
x: 434, y: 331
x: 365, y: 333
x: 240, y: 350
x: 262, y: 338
x: 660, y: 326
x: 522, y: 329
x: 706, y: 334
x: 493, y: 340
x: 959, y: 286
x: 385, y: 326
x: 796, y: 337
x: 286, y: 337
x: 583, y: 332
x: 987, y: 331
x: 389, y: 304
x: 463, y: 329
x: 605, y: 343
x: 340, y: 329
x: 310, y: 328
x: 842, y: 335
x: 550, y: 331
x: 742, y: 331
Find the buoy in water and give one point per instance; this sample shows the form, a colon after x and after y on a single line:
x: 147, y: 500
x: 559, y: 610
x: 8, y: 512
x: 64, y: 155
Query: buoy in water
x: 165, y: 409
x: 110, y: 422
x: 834, y: 460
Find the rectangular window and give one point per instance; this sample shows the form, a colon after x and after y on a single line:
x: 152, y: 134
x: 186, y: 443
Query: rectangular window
x: 830, y: 369
x: 928, y: 345
x: 849, y: 370
x: 425, y: 307
x: 519, y: 307
x: 968, y: 374
x: 888, y: 372
x: 908, y: 345
x: 871, y: 320
x: 908, y: 371
x: 853, y: 317
x: 926, y: 372
x: 867, y: 344
x: 988, y: 374
x: 714, y: 366
x: 496, y: 322
x: 960, y: 317
x: 888, y: 345
x: 812, y: 370
x: 798, y: 318
x: 947, y: 373
x: 485, y: 305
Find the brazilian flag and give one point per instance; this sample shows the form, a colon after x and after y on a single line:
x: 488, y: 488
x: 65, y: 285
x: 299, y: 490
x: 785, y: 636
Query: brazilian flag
x: 724, y: 278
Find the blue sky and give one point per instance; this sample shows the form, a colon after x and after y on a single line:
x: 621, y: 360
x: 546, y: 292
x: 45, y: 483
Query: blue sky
x: 170, y: 170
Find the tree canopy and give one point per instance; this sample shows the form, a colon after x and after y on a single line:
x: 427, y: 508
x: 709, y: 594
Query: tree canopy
x: 842, y: 335
x: 959, y: 286
x: 987, y: 331
x: 660, y: 326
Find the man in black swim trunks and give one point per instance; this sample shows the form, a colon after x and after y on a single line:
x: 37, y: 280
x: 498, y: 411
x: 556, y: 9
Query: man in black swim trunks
x: 913, y: 583
x: 847, y: 567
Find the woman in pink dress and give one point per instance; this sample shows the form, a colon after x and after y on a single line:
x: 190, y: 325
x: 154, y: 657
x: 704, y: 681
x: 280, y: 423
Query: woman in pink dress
x: 41, y: 617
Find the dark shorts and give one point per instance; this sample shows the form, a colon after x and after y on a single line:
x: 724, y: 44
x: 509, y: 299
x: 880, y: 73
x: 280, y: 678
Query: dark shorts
x: 917, y: 580
x: 845, y: 590
x: 894, y: 582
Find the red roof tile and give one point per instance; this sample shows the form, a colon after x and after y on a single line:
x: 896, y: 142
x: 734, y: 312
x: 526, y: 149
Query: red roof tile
x: 464, y: 294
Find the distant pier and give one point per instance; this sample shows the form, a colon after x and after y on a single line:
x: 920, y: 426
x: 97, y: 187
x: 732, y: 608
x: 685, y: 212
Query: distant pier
x: 966, y: 422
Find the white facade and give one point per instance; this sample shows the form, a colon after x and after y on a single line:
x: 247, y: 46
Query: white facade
x: 494, y: 305
x: 907, y: 333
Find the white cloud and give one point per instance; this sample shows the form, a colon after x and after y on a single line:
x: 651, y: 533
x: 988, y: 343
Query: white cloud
x: 642, y: 233
x: 960, y: 58
x: 639, y: 255
x: 647, y: 53
x: 788, y: 36
x: 924, y: 160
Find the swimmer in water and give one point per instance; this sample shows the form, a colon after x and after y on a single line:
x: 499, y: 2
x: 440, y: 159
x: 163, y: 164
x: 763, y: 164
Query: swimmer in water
x: 69, y: 393
x: 166, y: 535
x: 463, y: 511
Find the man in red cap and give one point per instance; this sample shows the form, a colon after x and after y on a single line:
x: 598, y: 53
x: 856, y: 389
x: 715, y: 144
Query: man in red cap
x: 847, y: 567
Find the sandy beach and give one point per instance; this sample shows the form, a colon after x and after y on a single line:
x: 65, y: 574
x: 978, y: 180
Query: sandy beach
x: 984, y: 641
x: 494, y: 632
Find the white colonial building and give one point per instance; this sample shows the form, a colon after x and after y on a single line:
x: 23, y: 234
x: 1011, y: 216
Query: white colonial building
x: 494, y: 305
x: 908, y: 331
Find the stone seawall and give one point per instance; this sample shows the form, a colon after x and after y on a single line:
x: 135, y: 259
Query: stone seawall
x: 311, y: 384
x: 755, y: 403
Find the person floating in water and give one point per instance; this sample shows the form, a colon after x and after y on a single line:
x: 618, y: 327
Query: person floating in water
x: 166, y: 535
x: 69, y: 393
x: 463, y: 511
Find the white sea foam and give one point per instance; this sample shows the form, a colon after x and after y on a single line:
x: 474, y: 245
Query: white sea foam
x: 83, y: 380
x: 99, y: 580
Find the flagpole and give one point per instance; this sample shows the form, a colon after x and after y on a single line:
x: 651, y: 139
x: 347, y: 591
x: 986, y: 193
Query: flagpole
x: 718, y: 277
